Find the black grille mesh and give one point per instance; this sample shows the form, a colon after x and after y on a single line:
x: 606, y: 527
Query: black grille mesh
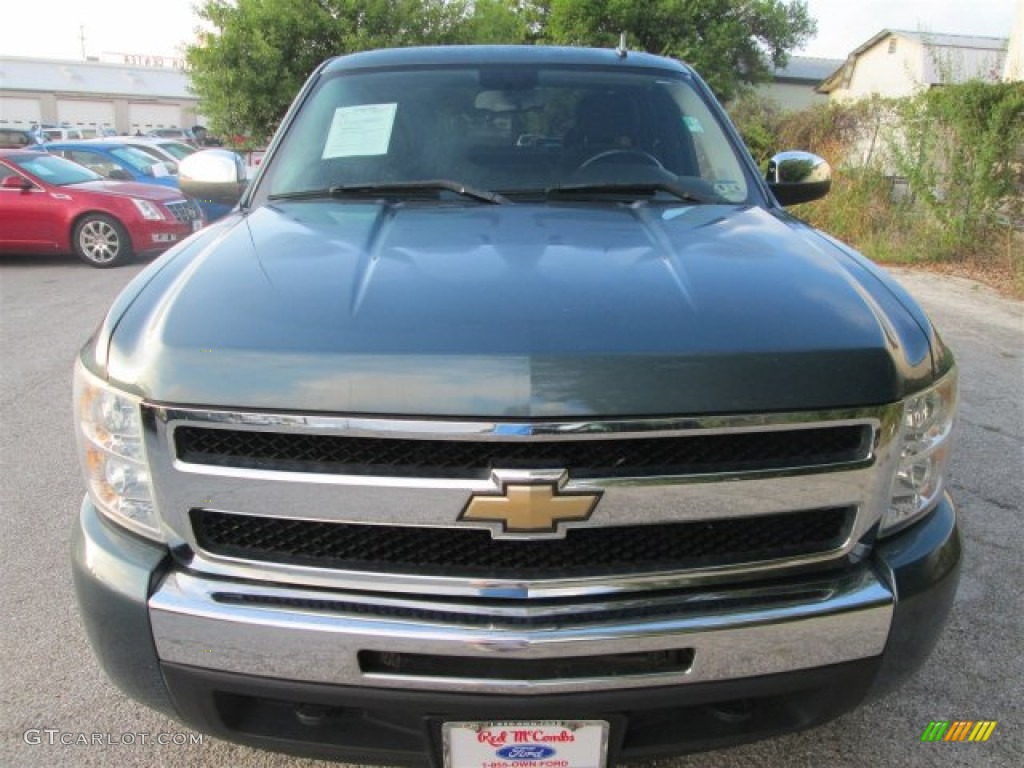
x: 629, y: 457
x: 470, y: 552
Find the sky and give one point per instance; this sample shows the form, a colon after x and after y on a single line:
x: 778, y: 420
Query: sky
x: 53, y: 29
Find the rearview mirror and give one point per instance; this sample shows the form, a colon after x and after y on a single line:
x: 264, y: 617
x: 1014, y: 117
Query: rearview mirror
x: 798, y: 177
x: 217, y: 175
x: 509, y: 101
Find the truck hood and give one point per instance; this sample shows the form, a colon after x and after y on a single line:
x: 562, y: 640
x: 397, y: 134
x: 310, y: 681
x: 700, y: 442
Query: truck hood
x: 515, y: 311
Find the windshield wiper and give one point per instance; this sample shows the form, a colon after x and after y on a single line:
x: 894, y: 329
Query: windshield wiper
x: 396, y: 188
x: 483, y: 195
x: 630, y: 189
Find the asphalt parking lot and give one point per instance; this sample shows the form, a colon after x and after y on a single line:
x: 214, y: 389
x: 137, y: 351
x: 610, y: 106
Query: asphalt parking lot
x: 53, y: 691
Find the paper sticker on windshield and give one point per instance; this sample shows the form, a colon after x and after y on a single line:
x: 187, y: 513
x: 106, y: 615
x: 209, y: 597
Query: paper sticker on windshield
x: 360, y: 131
x: 693, y: 124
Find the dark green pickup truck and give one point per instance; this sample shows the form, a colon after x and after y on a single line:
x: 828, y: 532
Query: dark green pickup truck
x: 508, y: 421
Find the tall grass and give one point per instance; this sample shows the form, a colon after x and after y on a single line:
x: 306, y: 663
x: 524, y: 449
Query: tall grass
x: 933, y: 179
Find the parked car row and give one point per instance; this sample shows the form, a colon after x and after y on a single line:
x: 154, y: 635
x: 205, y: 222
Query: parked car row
x: 168, y: 151
x: 50, y: 204
x: 147, y: 161
x: 100, y: 196
x: 197, y: 136
x: 17, y: 138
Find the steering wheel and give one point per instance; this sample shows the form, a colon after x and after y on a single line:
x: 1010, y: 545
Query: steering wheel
x: 646, y: 156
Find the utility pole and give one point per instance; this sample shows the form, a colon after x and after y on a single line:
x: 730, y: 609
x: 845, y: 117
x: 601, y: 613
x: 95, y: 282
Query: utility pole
x: 81, y: 35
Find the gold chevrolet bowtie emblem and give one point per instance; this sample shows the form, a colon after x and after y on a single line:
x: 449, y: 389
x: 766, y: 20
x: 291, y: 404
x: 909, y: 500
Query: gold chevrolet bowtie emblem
x: 530, y: 502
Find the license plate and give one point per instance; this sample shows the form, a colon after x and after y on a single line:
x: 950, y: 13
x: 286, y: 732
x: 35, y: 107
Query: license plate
x: 546, y: 744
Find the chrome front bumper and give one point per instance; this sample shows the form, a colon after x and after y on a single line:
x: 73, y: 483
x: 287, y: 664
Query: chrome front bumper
x: 294, y: 634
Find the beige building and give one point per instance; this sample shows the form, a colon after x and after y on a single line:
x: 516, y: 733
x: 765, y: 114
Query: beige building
x: 793, y: 87
x: 1013, y: 68
x: 94, y: 95
x: 896, y: 63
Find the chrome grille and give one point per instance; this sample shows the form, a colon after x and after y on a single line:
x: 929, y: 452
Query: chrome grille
x: 185, y: 210
x: 373, y: 504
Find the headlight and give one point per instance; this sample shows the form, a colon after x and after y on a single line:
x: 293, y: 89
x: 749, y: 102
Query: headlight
x: 926, y: 436
x: 113, y: 455
x: 147, y: 209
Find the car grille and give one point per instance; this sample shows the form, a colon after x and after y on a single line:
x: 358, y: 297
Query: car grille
x: 185, y: 210
x: 474, y: 553
x: 592, y: 458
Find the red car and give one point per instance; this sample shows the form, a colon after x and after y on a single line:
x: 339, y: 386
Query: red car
x: 52, y: 205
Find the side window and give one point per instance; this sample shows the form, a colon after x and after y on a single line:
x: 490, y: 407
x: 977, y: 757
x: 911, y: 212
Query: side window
x: 9, y: 138
x: 718, y: 163
x: 149, y: 151
x: 6, y: 172
x: 94, y: 161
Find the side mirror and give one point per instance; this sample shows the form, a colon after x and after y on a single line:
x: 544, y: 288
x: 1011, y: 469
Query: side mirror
x: 217, y: 175
x: 798, y: 177
x: 14, y: 181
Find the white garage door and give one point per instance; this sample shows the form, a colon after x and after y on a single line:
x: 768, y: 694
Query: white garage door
x: 19, y: 113
x: 147, y: 117
x: 82, y: 114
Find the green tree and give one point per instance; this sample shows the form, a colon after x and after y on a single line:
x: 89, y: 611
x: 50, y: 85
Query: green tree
x: 730, y: 42
x: 255, y: 54
x: 495, y: 22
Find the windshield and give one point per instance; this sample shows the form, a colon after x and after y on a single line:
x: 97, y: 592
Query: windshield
x: 517, y: 131
x: 134, y: 158
x: 55, y: 170
x: 176, y: 149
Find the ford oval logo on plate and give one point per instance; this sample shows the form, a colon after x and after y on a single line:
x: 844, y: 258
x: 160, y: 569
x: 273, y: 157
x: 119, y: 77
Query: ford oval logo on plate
x: 529, y: 744
x: 526, y: 752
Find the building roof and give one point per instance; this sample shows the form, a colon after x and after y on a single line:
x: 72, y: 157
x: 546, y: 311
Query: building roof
x: 943, y: 40
x: 929, y: 39
x: 91, y: 77
x: 806, y: 69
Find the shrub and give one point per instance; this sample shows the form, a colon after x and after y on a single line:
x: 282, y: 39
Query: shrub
x: 757, y: 118
x: 956, y: 152
x: 961, y: 152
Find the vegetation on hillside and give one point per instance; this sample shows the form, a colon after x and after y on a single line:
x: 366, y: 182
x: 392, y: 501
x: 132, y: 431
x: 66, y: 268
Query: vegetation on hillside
x: 935, y: 179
